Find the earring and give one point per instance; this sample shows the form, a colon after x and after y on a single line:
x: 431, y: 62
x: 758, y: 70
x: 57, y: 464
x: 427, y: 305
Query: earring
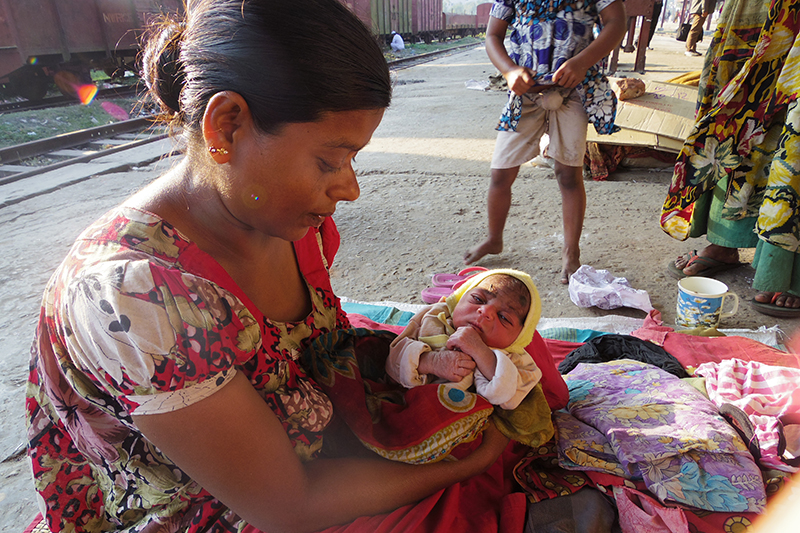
x: 215, y: 150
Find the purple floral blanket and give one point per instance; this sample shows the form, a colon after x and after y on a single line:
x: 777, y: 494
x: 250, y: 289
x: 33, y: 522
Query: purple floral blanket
x: 635, y: 420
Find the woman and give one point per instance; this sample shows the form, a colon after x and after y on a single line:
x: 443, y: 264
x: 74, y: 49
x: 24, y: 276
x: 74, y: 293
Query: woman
x: 737, y: 178
x: 164, y: 391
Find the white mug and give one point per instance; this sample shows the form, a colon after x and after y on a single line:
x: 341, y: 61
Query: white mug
x: 701, y: 300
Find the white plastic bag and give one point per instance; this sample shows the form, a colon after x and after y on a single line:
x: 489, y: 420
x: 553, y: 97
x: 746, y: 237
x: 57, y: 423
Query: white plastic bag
x: 589, y: 287
x: 477, y: 85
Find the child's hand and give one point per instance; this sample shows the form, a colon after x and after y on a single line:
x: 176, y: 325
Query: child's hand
x: 570, y: 74
x: 469, y: 341
x: 519, y: 80
x: 446, y: 364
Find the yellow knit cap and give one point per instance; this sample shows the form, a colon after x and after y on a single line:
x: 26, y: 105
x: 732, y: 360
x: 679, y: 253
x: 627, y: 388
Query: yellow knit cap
x: 534, y: 313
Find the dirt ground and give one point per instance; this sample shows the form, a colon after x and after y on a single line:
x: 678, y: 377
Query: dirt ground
x: 424, y: 181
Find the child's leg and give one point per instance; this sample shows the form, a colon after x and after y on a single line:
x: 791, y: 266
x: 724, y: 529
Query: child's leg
x: 573, y: 208
x: 499, y: 203
x: 511, y: 150
x: 568, y: 147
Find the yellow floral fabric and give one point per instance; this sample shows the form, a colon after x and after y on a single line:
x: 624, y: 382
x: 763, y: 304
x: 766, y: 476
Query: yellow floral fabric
x: 746, y: 135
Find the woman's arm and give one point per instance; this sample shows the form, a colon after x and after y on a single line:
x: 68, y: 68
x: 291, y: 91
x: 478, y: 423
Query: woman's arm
x: 234, y: 446
x: 614, y: 21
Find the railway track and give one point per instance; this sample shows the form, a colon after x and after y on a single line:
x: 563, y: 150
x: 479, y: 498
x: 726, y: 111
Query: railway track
x: 36, y: 158
x: 63, y: 101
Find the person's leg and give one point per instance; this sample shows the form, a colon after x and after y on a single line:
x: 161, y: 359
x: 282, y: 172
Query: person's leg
x: 567, y: 130
x: 654, y: 21
x: 694, y: 33
x: 511, y: 150
x: 573, y: 209
x: 499, y: 203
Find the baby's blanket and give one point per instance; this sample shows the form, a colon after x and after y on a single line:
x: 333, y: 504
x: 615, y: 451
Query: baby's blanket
x: 635, y: 420
x: 417, y: 425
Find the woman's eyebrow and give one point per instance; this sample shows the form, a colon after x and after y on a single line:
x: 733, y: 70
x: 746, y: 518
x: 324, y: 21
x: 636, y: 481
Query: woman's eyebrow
x: 344, y: 143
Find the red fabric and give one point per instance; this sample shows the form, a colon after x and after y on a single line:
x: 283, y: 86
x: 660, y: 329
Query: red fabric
x: 486, y: 503
x: 553, y: 385
x: 33, y: 524
x: 692, y: 351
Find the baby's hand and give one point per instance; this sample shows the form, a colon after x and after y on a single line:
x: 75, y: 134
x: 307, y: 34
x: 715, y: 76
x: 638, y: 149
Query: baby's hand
x: 446, y: 364
x: 469, y: 341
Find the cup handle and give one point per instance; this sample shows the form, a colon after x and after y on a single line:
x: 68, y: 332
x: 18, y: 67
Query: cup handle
x: 735, y: 305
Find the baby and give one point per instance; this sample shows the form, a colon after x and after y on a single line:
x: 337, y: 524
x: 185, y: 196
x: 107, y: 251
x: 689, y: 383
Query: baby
x: 476, y: 335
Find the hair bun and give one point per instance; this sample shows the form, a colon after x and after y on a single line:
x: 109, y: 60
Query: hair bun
x: 162, y: 67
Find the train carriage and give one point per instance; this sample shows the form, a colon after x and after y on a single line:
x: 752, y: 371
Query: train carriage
x: 40, y: 39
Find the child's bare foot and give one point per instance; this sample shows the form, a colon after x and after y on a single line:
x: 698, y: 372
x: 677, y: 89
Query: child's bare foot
x: 486, y: 247
x: 570, y: 262
x: 446, y: 364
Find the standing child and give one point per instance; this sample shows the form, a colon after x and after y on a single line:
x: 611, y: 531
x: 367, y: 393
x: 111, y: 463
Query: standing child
x: 556, y: 87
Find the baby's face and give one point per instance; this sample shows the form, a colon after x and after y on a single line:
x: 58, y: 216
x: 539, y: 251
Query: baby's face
x: 497, y: 316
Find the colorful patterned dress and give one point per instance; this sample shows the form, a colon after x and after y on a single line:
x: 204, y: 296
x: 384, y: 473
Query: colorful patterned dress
x: 737, y: 178
x: 545, y: 34
x: 138, y: 320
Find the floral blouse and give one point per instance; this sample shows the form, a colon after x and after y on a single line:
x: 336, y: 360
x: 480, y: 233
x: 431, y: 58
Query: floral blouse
x: 138, y: 320
x: 545, y: 34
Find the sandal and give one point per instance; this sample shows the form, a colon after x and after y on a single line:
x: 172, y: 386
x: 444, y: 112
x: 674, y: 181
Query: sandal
x: 450, y: 280
x: 771, y: 309
x: 712, y: 266
x: 445, y: 284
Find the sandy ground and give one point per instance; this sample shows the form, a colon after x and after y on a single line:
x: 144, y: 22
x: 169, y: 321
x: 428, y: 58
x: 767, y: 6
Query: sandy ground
x: 423, y: 182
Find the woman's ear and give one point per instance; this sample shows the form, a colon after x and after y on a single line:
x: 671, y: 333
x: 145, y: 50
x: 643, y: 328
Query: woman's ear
x: 225, y: 113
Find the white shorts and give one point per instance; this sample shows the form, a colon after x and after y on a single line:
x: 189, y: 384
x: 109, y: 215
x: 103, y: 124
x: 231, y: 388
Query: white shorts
x: 566, y: 127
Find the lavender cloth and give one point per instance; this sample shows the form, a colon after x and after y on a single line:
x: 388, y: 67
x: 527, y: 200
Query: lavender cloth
x: 636, y: 420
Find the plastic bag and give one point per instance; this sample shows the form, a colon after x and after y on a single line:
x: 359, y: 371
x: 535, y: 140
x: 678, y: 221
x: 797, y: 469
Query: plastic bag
x: 589, y: 287
x: 477, y: 85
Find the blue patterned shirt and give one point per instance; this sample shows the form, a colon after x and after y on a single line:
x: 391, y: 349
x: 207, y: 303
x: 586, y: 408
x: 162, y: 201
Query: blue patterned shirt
x: 545, y: 34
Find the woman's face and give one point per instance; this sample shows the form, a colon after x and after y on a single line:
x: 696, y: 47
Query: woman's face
x: 283, y: 184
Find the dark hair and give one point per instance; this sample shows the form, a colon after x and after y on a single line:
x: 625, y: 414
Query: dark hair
x: 290, y: 61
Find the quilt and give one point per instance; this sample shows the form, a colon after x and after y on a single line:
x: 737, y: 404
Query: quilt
x: 637, y: 421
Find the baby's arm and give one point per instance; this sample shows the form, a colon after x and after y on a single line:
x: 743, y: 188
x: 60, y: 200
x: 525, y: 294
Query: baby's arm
x: 516, y: 375
x: 446, y: 364
x: 614, y: 22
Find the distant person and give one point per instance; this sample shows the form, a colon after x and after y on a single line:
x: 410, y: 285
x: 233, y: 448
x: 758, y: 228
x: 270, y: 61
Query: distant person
x: 657, y: 7
x: 556, y: 87
x: 699, y: 12
x: 397, y: 42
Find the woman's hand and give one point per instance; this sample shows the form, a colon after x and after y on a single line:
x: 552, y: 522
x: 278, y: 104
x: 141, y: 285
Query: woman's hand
x: 492, y: 444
